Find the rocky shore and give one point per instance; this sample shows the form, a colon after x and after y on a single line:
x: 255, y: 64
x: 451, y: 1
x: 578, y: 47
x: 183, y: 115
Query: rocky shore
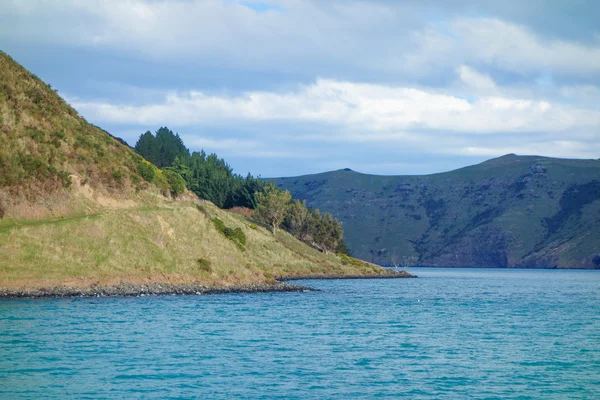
x: 156, y: 289
x: 162, y: 289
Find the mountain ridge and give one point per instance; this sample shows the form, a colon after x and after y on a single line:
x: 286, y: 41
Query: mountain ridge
x: 510, y: 211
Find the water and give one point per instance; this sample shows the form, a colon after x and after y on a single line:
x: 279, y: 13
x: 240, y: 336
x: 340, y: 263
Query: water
x: 450, y: 334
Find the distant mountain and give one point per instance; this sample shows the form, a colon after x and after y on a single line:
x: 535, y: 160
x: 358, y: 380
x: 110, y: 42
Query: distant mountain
x: 512, y: 211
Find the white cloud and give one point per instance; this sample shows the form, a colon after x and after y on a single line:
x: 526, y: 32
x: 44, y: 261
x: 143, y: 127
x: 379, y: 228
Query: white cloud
x: 366, y: 108
x: 475, y: 80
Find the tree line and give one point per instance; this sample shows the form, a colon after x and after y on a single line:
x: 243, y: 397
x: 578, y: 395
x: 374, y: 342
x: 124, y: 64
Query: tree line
x: 211, y: 178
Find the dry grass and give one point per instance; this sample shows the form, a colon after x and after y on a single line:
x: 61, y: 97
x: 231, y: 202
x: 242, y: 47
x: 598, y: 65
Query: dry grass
x: 43, y: 141
x: 76, y: 210
x: 154, y: 244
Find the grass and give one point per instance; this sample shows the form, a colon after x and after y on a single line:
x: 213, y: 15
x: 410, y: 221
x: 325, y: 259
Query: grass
x: 43, y: 141
x: 173, y: 243
x: 77, y: 207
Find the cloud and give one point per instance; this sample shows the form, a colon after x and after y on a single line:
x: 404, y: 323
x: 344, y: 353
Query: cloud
x: 476, y: 80
x: 358, y: 107
x: 386, y: 84
x: 352, y: 39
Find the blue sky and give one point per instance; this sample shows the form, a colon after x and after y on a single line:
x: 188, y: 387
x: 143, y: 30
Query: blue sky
x: 282, y: 88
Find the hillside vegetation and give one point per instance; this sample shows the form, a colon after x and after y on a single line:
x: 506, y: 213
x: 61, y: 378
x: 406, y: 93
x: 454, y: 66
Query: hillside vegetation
x: 175, y: 242
x: 45, y: 145
x: 79, y: 207
x: 513, y: 211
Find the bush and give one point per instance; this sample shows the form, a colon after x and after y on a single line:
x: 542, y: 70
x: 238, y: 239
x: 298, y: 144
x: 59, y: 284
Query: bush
x: 239, y: 235
x: 146, y: 170
x: 350, y: 260
x: 175, y: 181
x: 235, y: 235
x: 253, y: 226
x: 220, y: 225
x: 204, y: 264
x: 161, y: 181
x: 118, y: 176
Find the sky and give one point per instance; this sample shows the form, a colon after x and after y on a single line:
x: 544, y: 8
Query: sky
x: 292, y: 87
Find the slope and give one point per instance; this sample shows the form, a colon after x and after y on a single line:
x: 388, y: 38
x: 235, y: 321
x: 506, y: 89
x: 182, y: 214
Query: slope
x: 80, y: 208
x: 46, y: 149
x: 513, y: 211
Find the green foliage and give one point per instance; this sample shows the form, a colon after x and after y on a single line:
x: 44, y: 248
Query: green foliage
x: 160, y: 180
x: 272, y: 206
x: 146, y: 170
x: 208, y: 176
x: 118, y: 176
x: 320, y: 230
x: 162, y: 149
x: 253, y: 226
x: 220, y: 225
x: 350, y: 260
x: 235, y: 235
x: 211, y: 178
x: 175, y: 181
x: 204, y: 264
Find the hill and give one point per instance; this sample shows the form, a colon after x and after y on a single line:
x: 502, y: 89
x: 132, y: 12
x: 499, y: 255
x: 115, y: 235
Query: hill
x: 80, y: 208
x: 512, y: 211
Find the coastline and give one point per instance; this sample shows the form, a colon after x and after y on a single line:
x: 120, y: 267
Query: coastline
x: 396, y: 275
x: 139, y: 290
x: 166, y: 289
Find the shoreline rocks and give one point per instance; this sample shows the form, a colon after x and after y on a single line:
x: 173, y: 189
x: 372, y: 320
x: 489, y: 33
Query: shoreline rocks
x: 165, y: 289
x: 154, y: 289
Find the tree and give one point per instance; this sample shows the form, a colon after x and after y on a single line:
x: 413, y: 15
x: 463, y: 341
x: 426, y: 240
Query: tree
x: 272, y: 205
x: 328, y: 232
x: 147, y: 147
x: 162, y: 149
x: 297, y: 219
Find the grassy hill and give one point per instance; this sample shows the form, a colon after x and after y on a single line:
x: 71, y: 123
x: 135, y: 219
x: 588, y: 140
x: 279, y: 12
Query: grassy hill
x: 513, y: 211
x: 80, y: 208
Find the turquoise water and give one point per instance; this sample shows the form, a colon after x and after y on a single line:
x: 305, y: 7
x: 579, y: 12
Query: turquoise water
x: 450, y: 334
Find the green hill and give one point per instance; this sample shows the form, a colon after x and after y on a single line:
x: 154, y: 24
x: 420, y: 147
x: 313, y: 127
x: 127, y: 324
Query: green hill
x: 513, y: 211
x: 80, y: 208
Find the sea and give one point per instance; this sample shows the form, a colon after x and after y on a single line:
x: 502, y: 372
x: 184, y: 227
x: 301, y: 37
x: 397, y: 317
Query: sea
x: 450, y: 334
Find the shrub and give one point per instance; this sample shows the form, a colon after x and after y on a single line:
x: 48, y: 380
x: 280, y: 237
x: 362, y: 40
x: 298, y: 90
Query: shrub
x: 220, y: 225
x: 235, y: 235
x: 253, y: 226
x: 175, y: 181
x: 350, y: 260
x: 65, y: 178
x: 239, y: 235
x: 117, y: 176
x: 161, y: 181
x: 146, y: 170
x: 204, y: 264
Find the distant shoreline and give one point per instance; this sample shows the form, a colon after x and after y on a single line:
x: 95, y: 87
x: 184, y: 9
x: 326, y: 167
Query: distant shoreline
x: 166, y: 289
x: 398, y: 275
